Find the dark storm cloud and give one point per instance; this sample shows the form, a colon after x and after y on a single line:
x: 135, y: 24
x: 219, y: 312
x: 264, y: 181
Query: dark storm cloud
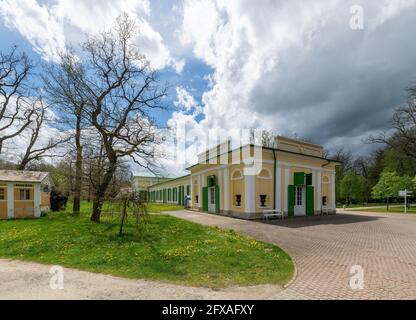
x: 344, y: 84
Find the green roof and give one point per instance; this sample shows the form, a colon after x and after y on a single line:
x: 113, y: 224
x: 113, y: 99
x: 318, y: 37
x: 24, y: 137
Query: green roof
x: 148, y: 174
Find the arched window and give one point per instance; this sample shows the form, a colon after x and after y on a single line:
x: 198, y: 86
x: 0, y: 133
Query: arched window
x: 325, y: 179
x: 236, y: 175
x: 265, y: 174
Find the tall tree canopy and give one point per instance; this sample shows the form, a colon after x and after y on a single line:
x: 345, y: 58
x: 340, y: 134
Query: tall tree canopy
x: 120, y: 90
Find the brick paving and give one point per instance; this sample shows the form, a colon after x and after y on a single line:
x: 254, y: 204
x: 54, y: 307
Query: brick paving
x: 324, y: 249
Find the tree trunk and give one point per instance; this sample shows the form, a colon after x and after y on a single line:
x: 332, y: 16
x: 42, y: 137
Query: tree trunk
x: 22, y: 165
x: 78, y: 168
x: 96, y: 210
x: 388, y: 202
x: 101, y: 191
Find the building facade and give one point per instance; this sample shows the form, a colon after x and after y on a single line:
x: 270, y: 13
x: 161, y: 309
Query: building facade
x: 173, y: 191
x: 141, y: 182
x: 292, y: 177
x: 24, y: 194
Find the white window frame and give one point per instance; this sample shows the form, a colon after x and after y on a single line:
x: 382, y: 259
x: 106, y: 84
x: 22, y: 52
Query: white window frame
x: 26, y: 194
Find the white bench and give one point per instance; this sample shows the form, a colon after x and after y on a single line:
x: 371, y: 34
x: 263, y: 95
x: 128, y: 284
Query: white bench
x: 272, y: 213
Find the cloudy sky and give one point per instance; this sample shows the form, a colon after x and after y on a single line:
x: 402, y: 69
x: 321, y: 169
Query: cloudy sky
x: 294, y: 67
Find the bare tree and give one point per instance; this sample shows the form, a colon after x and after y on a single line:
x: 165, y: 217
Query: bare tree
x: 404, y: 125
x: 346, y: 159
x: 266, y: 138
x: 15, y: 110
x: 34, y: 151
x: 65, y: 92
x: 121, y: 90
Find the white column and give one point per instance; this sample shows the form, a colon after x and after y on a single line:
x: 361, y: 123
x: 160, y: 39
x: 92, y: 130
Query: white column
x: 319, y: 189
x: 278, y: 193
x: 226, y: 189
x: 192, y: 192
x: 199, y: 191
x: 333, y: 204
x: 220, y: 185
x: 37, y: 199
x: 287, y: 179
x: 249, y: 193
x: 10, y: 200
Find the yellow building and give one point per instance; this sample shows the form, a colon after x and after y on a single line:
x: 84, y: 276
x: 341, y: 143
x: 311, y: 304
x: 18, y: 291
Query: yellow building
x: 293, y: 177
x: 24, y: 194
x: 141, y: 181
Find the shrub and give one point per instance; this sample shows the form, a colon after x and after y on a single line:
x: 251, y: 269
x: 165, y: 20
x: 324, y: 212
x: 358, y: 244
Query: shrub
x: 58, y: 200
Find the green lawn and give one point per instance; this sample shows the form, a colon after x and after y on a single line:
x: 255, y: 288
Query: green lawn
x: 359, y: 205
x: 166, y: 249
x: 412, y: 210
x: 86, y: 207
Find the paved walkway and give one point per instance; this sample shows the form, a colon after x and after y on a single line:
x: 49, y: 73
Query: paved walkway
x: 325, y: 248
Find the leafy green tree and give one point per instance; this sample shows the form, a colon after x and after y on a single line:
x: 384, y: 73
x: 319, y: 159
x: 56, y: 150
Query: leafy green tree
x: 354, y: 187
x: 396, y: 160
x: 348, y: 186
x: 389, y: 185
x: 365, y: 187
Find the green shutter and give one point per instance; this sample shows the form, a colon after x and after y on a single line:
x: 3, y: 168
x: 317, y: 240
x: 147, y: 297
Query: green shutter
x: 217, y: 199
x: 309, y: 179
x: 291, y: 200
x: 205, y: 199
x: 310, y: 211
x: 178, y: 190
x: 180, y: 196
x: 164, y: 195
x: 299, y: 179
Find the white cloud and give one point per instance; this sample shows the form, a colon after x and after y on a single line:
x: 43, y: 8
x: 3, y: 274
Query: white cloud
x: 389, y: 9
x: 59, y: 23
x: 184, y: 99
x: 36, y: 23
x: 297, y: 67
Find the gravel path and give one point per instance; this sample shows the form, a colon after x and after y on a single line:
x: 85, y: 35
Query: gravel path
x: 26, y: 280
